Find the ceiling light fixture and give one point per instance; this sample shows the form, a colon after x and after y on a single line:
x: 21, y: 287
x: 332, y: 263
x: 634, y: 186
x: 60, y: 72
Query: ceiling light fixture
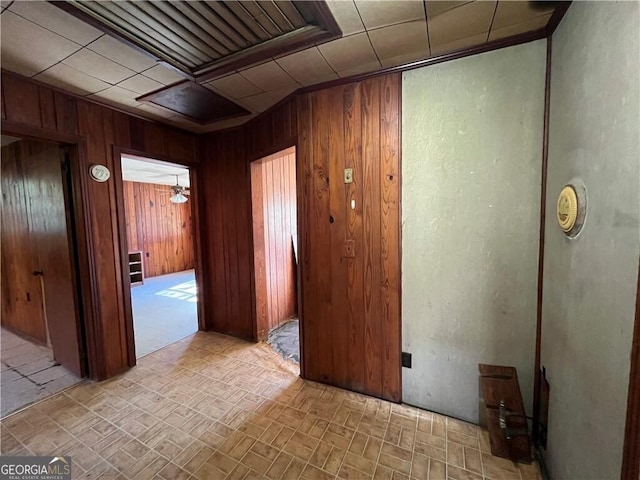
x: 178, y: 198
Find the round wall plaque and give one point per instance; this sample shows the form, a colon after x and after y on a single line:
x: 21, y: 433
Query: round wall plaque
x: 99, y: 173
x: 567, y: 209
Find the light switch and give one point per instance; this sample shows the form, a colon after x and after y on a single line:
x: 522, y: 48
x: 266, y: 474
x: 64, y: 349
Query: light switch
x: 348, y: 175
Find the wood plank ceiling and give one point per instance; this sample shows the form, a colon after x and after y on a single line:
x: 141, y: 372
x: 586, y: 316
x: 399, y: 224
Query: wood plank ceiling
x: 222, y: 45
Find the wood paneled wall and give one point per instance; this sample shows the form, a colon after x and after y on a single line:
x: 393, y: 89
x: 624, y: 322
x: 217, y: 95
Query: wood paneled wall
x: 350, y: 258
x: 33, y: 110
x: 226, y: 220
x: 273, y: 190
x: 349, y: 235
x: 161, y: 230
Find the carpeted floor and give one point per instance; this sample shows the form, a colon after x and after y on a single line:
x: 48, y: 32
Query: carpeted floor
x: 164, y: 310
x: 286, y: 340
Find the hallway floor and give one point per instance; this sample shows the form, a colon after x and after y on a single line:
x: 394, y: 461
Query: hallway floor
x: 214, y: 407
x: 164, y: 310
x: 29, y: 373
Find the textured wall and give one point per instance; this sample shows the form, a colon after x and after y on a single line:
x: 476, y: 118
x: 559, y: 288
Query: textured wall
x: 590, y: 282
x: 471, y: 158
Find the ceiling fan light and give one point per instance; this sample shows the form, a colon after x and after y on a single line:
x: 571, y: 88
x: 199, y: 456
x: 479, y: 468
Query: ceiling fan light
x: 178, y: 198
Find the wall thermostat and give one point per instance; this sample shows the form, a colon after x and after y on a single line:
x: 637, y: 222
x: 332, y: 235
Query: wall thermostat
x: 99, y: 173
x: 571, y: 209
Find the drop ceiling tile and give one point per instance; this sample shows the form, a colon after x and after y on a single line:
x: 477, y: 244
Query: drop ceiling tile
x: 140, y: 84
x: 121, y: 53
x: 359, y: 69
x: 401, y: 43
x: 534, y: 24
x: 70, y: 79
x: 258, y: 103
x: 437, y: 7
x: 268, y: 76
x: 118, y: 95
x: 56, y: 20
x: 307, y: 67
x: 233, y: 122
x: 510, y: 13
x: 234, y: 86
x: 460, y: 43
x: 459, y: 23
x: 347, y: 16
x: 349, y: 53
x: 98, y: 66
x: 164, y: 75
x: 155, y: 112
x: 382, y: 13
x: 28, y: 48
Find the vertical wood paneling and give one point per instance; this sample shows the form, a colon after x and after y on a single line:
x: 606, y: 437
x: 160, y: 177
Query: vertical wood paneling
x: 159, y: 228
x: 350, y: 300
x: 28, y: 108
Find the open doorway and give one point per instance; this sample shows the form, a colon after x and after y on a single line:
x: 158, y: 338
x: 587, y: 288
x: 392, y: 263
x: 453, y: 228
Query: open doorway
x: 42, y: 350
x: 161, y: 256
x: 273, y: 187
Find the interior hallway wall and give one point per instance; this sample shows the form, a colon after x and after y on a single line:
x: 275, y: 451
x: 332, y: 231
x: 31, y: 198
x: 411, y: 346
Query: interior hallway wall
x: 273, y: 192
x: 590, y: 282
x: 471, y: 164
x: 161, y: 230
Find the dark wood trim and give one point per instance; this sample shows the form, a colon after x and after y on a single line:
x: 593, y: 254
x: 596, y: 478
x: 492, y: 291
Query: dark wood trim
x: 556, y: 17
x: 23, y: 130
x: 124, y: 254
x: 122, y: 238
x: 196, y: 208
x: 69, y: 137
x: 543, y: 199
x: 631, y: 449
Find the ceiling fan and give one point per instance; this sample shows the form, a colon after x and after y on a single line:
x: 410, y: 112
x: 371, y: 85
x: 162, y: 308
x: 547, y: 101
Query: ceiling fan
x: 178, y: 193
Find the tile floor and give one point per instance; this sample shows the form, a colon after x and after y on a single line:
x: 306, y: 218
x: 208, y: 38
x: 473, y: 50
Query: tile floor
x: 164, y: 310
x: 286, y: 340
x: 29, y: 373
x: 213, y: 407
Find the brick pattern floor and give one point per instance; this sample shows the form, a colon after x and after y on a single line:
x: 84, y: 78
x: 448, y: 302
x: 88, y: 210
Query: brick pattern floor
x: 213, y: 407
x: 28, y: 373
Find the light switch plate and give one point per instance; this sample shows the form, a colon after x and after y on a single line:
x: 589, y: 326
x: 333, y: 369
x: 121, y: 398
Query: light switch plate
x: 348, y: 175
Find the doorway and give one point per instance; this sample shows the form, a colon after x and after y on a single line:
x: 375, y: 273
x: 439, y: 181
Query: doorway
x: 42, y: 335
x: 160, y: 251
x: 275, y: 240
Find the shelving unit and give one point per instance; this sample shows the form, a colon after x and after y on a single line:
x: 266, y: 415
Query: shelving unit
x: 135, y: 268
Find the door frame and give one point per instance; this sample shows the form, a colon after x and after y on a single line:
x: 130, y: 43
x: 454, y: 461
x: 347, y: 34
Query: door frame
x: 631, y: 449
x: 123, y: 244
x: 73, y: 147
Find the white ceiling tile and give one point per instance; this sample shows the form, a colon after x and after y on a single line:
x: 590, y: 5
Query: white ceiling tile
x: 400, y: 43
x: 117, y: 95
x: 28, y: 48
x: 347, y: 16
x: 137, y: 169
x: 349, y: 53
x: 462, y: 22
x: 307, y: 67
x: 258, y: 103
x: 98, y: 66
x: 140, y: 84
x: 155, y: 112
x: 268, y: 76
x: 121, y: 53
x: 359, y: 69
x: 54, y: 19
x: 233, y: 122
x: 460, y: 43
x: 164, y: 75
x: 70, y: 79
x: 510, y: 13
x: 381, y: 13
x: 437, y: 7
x: 234, y: 86
x: 534, y: 24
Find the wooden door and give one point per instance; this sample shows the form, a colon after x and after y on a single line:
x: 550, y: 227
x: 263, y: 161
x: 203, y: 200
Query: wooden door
x: 49, y: 219
x: 21, y: 291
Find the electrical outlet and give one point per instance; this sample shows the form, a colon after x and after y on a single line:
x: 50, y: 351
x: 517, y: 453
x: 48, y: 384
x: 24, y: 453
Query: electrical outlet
x: 406, y: 359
